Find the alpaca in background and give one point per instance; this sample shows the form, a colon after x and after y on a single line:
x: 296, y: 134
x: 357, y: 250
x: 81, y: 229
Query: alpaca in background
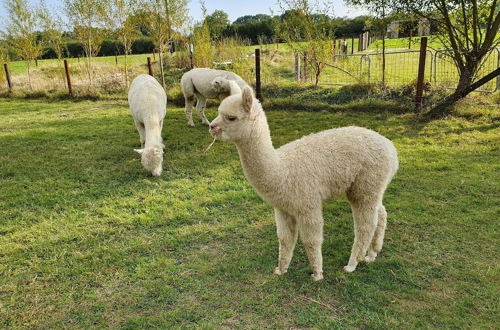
x: 148, y: 105
x: 202, y: 84
x: 296, y: 178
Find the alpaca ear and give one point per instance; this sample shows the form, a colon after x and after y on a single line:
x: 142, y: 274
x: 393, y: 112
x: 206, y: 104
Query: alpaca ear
x: 139, y: 151
x: 234, y: 88
x: 247, y: 99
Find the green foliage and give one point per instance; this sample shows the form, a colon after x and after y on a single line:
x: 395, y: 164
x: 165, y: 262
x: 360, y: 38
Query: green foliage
x: 142, y: 46
x: 52, y: 28
x: 217, y: 22
x: 202, y: 55
x: 307, y: 32
x: 89, y: 239
x: 21, y: 33
x: 234, y: 50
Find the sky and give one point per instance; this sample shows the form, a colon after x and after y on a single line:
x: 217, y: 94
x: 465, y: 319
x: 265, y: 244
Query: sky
x: 234, y: 8
x: 238, y: 8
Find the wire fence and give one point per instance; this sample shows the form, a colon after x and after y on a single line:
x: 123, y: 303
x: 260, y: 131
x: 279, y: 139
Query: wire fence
x: 401, y: 68
x: 278, y: 66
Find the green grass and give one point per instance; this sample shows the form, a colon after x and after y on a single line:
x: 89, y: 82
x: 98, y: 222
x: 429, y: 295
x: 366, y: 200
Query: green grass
x: 20, y: 67
x: 89, y: 239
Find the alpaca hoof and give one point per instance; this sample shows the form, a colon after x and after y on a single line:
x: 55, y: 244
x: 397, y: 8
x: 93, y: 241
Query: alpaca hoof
x: 370, y: 257
x: 349, y: 269
x: 277, y: 271
x: 191, y: 124
x: 206, y: 123
x: 317, y: 277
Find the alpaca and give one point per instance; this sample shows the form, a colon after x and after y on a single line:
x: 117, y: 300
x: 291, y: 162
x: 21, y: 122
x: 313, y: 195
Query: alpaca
x: 296, y: 178
x: 148, y: 103
x: 202, y: 84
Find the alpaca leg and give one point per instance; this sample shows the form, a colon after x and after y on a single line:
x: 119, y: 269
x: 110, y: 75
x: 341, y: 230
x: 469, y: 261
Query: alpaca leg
x: 142, y: 132
x: 200, y: 107
x: 189, y: 109
x: 378, y: 237
x: 365, y: 222
x: 311, y: 234
x: 286, y: 227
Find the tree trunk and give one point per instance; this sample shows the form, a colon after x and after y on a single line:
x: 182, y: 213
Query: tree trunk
x: 89, y: 69
x: 29, y: 76
x: 464, y: 87
x: 160, y: 55
x: 318, y: 73
x: 126, y: 70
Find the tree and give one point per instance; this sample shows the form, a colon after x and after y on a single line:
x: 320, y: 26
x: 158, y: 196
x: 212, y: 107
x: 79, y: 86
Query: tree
x: 87, y: 18
x: 253, y: 28
x: 383, y: 16
x: 202, y: 42
x: 217, y: 22
x: 467, y: 28
x: 305, y: 27
x: 165, y: 18
x: 349, y: 27
x: 3, y: 59
x: 118, y: 19
x: 52, y: 27
x: 20, y: 32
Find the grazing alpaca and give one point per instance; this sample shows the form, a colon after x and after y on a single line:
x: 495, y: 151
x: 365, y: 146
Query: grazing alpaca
x: 148, y: 103
x: 203, y: 84
x: 296, y: 178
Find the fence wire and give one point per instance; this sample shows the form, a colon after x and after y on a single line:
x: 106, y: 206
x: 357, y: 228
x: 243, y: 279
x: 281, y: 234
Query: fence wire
x: 279, y: 66
x: 401, y: 68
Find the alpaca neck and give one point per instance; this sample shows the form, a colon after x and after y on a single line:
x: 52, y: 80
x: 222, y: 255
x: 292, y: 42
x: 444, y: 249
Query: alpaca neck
x: 259, y: 159
x: 153, y: 137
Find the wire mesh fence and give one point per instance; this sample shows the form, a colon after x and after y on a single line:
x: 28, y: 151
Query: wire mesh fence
x: 401, y: 68
x: 446, y: 74
x: 278, y: 66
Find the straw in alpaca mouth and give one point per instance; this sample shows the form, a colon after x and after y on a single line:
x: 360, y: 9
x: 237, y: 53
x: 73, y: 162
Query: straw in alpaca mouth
x: 211, y: 144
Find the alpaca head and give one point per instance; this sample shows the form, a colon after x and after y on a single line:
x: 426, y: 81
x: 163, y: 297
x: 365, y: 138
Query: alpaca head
x: 237, y: 115
x: 221, y: 85
x: 225, y: 86
x: 151, y: 159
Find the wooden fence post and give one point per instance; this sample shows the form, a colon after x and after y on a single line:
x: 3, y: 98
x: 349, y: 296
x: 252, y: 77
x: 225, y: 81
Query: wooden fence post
x: 68, y: 77
x: 7, y: 75
x: 352, y: 45
x: 150, y: 67
x: 257, y: 75
x: 297, y: 67
x: 304, y: 77
x: 421, y: 74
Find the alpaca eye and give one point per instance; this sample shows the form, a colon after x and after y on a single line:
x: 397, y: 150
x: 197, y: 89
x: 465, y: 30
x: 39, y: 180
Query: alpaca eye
x: 231, y: 118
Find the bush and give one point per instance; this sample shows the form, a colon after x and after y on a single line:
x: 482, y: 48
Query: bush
x: 142, y: 46
x: 174, y: 96
x: 74, y: 49
x: 111, y: 48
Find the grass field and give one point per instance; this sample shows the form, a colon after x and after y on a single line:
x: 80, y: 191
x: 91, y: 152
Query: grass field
x: 89, y: 240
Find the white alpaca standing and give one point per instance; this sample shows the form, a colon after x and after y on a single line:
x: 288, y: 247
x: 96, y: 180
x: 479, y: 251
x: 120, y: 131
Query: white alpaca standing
x: 296, y: 178
x: 148, y: 104
x: 202, y: 84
